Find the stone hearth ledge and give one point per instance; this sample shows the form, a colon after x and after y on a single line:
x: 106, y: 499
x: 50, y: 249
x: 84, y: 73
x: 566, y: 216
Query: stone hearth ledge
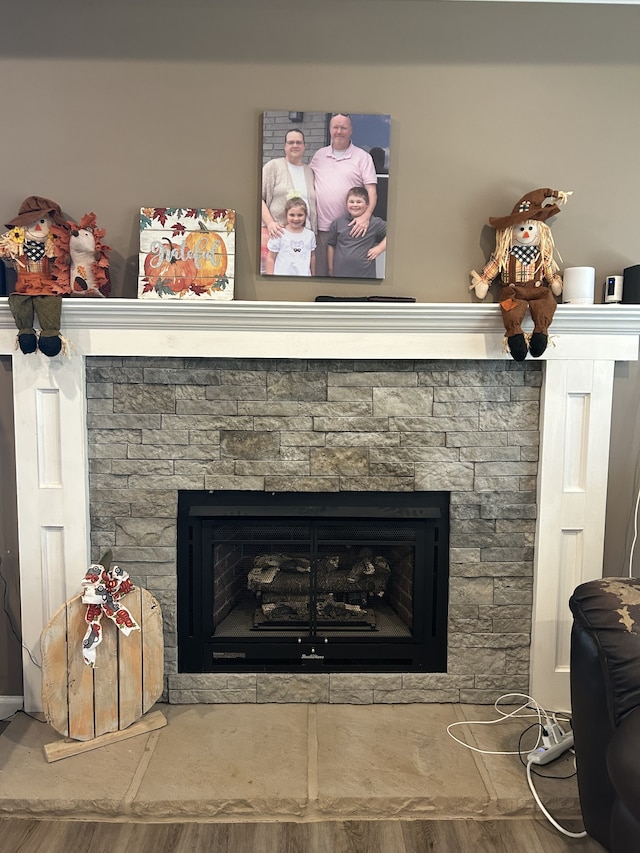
x: 291, y: 762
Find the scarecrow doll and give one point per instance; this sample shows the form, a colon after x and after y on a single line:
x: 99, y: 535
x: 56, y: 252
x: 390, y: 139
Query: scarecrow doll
x: 523, y: 258
x: 29, y: 247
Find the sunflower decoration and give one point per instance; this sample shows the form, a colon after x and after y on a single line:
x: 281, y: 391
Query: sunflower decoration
x: 17, y: 235
x: 12, y: 243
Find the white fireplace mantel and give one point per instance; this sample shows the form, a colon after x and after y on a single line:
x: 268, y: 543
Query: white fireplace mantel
x: 312, y: 329
x: 50, y: 419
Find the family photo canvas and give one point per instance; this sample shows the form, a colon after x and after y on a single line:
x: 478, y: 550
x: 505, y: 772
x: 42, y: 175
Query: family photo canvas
x: 324, y: 191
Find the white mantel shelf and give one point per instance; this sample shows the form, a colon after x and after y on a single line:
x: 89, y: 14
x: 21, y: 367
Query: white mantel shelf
x: 52, y: 465
x: 326, y: 329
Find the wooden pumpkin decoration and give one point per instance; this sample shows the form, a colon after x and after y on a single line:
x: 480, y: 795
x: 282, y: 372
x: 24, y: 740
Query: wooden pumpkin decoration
x: 85, y: 702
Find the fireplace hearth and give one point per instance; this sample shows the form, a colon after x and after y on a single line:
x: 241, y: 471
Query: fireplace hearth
x: 315, y: 582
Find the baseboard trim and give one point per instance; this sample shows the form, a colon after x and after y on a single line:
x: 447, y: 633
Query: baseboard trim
x: 9, y: 705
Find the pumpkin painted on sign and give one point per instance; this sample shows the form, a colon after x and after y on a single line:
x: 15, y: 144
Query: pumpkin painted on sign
x: 209, y: 254
x: 168, y: 268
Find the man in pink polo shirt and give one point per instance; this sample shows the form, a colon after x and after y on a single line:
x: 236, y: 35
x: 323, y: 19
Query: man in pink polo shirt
x: 336, y: 169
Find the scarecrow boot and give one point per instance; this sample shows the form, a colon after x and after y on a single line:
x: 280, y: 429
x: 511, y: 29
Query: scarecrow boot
x: 518, y: 347
x: 538, y: 344
x: 49, y: 311
x: 22, y: 309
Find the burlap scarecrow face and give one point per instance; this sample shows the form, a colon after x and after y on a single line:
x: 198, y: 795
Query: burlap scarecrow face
x: 527, y: 234
x: 38, y: 230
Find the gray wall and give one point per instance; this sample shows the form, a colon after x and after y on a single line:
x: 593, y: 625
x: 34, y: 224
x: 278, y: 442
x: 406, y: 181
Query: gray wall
x: 112, y: 106
x: 624, y: 474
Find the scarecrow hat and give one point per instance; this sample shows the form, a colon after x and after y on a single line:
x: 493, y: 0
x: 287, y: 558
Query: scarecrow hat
x: 35, y: 207
x: 530, y: 206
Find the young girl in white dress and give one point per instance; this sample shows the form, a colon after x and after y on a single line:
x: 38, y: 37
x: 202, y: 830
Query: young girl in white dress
x: 294, y: 252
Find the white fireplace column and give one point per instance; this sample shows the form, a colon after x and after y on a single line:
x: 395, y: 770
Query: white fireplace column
x: 52, y: 496
x: 575, y: 420
x: 51, y: 452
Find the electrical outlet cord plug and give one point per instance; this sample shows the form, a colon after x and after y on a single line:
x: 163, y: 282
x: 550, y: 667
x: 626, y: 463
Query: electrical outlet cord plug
x: 552, y: 734
x: 555, y: 742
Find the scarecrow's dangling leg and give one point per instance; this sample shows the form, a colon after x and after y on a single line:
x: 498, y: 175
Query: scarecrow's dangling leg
x: 542, y: 311
x: 49, y: 311
x: 513, y: 311
x: 21, y: 305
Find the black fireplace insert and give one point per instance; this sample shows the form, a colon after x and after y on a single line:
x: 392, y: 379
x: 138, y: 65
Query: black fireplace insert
x: 315, y: 582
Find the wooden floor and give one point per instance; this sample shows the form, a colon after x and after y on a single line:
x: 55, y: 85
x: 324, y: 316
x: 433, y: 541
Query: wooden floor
x: 446, y: 836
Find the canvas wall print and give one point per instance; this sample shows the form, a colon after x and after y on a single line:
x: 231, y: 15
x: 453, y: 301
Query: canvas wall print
x: 324, y: 191
x: 186, y: 253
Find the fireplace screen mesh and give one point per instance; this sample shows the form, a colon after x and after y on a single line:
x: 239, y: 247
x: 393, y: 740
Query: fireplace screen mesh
x: 286, y: 576
x: 260, y: 584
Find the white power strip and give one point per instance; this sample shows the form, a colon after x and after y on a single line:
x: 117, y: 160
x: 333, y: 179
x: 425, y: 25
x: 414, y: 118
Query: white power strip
x: 544, y: 754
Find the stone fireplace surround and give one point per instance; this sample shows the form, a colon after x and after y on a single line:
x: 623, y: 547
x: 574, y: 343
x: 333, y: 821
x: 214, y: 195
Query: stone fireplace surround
x: 362, y: 363
x: 309, y: 425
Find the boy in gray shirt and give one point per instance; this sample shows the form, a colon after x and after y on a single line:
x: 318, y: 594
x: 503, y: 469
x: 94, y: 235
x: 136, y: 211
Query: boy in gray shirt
x: 355, y: 257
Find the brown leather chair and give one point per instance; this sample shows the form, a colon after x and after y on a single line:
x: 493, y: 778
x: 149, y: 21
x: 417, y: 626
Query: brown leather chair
x: 605, y: 703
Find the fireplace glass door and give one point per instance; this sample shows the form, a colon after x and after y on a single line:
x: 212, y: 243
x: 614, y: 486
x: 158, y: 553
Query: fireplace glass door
x: 320, y: 582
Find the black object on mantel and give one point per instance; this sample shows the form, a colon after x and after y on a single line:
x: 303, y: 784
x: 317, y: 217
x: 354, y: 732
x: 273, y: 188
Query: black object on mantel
x: 631, y: 285
x: 365, y: 299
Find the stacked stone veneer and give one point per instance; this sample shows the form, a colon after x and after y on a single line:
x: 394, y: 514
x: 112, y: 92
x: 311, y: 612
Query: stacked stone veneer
x: 471, y: 428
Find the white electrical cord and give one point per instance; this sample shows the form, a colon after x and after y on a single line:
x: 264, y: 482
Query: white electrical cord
x: 540, y: 712
x: 635, y: 533
x: 546, y: 813
x: 538, y: 715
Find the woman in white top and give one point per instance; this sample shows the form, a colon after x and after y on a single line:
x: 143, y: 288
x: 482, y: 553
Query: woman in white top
x: 284, y: 178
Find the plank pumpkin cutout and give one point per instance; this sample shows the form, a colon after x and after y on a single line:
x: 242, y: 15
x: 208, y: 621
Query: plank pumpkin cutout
x: 84, y: 702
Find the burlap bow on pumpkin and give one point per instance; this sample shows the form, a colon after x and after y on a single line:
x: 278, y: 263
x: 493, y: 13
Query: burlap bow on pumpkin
x: 104, y: 585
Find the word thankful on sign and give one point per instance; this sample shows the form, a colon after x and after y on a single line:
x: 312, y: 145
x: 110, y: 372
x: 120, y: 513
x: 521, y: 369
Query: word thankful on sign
x: 186, y: 253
